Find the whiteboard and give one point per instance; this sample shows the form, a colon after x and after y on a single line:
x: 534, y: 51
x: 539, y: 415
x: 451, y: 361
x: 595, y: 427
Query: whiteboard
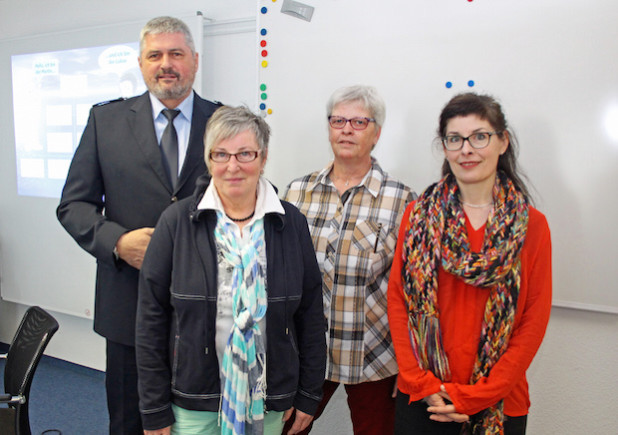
x: 553, y: 64
x: 40, y: 264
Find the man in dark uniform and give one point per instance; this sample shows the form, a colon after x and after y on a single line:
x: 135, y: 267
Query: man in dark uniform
x: 135, y: 157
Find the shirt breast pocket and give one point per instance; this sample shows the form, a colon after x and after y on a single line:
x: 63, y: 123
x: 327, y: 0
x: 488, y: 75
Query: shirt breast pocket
x: 374, y: 244
x: 365, y: 237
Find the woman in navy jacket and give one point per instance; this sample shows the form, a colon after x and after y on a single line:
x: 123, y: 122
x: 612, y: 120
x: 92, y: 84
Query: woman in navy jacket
x: 230, y: 324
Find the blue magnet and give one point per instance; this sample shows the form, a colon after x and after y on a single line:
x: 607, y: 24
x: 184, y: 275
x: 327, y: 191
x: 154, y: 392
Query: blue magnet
x: 264, y: 10
x: 449, y: 85
x: 262, y: 106
x: 471, y: 83
x: 263, y: 32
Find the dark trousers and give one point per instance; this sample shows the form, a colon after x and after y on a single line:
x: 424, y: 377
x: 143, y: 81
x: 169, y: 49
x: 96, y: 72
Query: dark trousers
x: 121, y: 388
x: 413, y: 418
x: 372, y: 407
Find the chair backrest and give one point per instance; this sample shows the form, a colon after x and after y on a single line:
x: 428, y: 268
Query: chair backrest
x: 35, y: 330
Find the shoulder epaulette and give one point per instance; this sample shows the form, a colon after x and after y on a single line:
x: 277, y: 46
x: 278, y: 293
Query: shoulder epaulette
x: 103, y: 103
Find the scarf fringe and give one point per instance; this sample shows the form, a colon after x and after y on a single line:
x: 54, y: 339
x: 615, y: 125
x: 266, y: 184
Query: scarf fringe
x: 427, y: 346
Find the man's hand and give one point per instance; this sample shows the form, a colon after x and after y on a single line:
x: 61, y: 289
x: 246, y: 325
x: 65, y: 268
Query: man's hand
x: 132, y: 246
x: 301, y: 421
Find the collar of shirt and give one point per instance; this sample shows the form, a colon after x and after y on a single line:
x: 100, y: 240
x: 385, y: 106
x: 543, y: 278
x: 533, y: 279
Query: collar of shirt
x: 267, y: 201
x: 372, y: 181
x: 182, y: 123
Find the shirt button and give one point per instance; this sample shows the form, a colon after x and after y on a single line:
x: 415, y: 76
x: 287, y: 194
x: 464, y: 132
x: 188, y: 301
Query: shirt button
x: 174, y: 199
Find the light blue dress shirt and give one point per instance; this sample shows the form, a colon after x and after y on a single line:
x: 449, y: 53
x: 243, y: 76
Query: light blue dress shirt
x: 182, y: 123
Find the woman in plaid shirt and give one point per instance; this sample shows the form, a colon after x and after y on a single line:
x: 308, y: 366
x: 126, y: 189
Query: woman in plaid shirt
x: 354, y: 209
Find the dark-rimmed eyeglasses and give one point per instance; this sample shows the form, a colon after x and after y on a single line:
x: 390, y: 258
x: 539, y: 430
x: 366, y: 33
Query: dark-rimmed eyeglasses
x: 241, y: 157
x: 454, y: 142
x: 358, y: 123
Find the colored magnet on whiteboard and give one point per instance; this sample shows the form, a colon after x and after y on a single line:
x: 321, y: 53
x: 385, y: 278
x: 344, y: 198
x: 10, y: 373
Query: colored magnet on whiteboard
x: 262, y: 43
x: 471, y: 83
x: 449, y: 85
x: 263, y: 96
x: 262, y: 87
x: 263, y: 32
x: 269, y: 111
x: 264, y: 53
x: 262, y: 106
x: 264, y: 10
x: 264, y: 64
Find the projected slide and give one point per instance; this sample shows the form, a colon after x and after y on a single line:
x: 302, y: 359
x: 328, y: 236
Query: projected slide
x: 52, y: 96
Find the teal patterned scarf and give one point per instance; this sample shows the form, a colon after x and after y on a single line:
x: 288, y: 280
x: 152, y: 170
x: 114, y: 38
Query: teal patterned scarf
x: 438, y: 237
x: 244, y: 360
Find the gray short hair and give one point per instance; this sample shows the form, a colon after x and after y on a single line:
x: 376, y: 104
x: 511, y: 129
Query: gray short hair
x: 160, y: 25
x: 367, y: 95
x: 229, y: 121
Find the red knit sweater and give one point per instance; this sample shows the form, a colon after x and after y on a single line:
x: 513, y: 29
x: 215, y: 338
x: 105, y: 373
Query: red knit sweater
x: 461, y: 307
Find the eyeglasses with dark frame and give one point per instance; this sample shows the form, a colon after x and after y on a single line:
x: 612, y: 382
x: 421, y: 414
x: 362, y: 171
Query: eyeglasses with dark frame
x: 478, y: 140
x: 358, y: 123
x: 241, y: 157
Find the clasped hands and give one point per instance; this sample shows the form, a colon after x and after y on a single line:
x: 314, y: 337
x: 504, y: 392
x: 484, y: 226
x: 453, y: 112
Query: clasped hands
x: 442, y: 409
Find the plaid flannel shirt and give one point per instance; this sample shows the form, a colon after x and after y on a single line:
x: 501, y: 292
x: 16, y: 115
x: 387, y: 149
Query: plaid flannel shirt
x: 354, y: 236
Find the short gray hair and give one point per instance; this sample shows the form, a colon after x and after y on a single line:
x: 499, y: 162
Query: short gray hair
x: 229, y: 121
x: 367, y: 95
x: 160, y: 25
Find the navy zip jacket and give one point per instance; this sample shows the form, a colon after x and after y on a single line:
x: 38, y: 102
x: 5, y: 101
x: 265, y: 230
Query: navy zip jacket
x: 175, y: 332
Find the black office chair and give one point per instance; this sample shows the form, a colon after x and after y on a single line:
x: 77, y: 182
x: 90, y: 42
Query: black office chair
x: 35, y: 330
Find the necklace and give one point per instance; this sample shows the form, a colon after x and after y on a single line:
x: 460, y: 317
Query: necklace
x: 478, y: 205
x: 346, y: 182
x: 241, y: 219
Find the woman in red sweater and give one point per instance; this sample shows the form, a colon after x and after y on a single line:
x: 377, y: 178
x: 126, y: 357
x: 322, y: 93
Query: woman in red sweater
x: 469, y: 295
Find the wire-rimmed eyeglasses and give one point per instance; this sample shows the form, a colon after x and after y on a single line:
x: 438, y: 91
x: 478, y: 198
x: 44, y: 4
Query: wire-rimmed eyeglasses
x: 358, y: 123
x: 241, y: 157
x: 478, y: 140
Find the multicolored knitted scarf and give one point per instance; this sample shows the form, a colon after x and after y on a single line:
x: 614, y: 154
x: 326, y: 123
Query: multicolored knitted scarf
x: 244, y: 360
x: 437, y: 237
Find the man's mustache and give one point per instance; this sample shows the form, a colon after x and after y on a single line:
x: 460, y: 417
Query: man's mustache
x: 167, y: 72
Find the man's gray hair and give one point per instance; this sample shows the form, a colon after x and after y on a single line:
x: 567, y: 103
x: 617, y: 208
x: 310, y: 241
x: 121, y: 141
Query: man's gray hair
x: 166, y: 25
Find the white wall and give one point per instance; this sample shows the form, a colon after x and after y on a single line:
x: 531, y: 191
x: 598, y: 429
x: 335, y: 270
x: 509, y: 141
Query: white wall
x: 573, y: 380
x: 558, y: 88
